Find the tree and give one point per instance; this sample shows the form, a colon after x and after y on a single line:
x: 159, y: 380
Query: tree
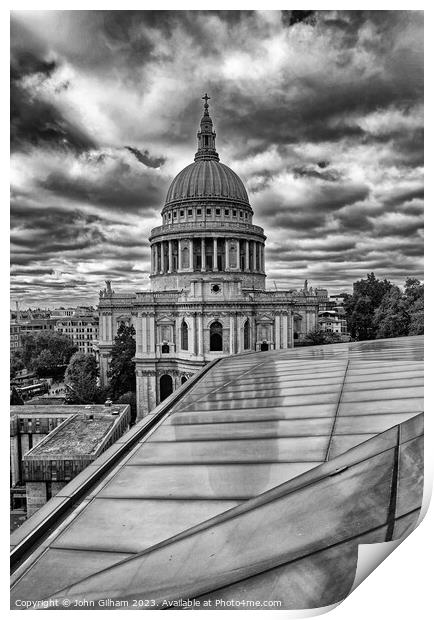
x: 122, y: 372
x: 129, y: 399
x: 414, y: 292
x: 16, y: 363
x: 361, y: 305
x: 47, y: 352
x: 318, y: 336
x: 391, y: 318
x: 81, y: 378
x: 16, y: 398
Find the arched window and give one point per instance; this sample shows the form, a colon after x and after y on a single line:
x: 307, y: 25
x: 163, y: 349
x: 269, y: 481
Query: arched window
x: 183, y: 379
x: 165, y: 348
x: 216, y: 336
x: 166, y: 386
x: 264, y: 346
x: 184, y: 336
x: 247, y: 335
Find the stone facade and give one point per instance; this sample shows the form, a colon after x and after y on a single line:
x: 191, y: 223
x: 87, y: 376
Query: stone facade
x: 208, y: 296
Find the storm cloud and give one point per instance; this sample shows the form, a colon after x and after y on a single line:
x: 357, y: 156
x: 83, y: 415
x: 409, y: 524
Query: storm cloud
x: 319, y: 112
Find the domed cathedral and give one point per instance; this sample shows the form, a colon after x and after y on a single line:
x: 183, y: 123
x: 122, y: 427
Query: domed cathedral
x: 207, y: 297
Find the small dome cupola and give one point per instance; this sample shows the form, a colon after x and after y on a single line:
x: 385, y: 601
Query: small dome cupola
x: 206, y: 136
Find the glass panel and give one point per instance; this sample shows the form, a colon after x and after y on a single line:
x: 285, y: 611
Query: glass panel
x: 262, y: 413
x: 342, y: 443
x: 317, y: 580
x: 290, y: 401
x: 211, y: 557
x: 201, y: 481
x: 59, y: 568
x: 405, y: 525
x: 402, y: 392
x: 369, y: 423
x: 410, y: 485
x: 290, y: 449
x: 132, y: 525
x: 241, y: 430
x: 402, y: 405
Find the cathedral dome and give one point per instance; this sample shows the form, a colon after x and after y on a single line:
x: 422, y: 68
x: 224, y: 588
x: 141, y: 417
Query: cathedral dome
x: 207, y: 178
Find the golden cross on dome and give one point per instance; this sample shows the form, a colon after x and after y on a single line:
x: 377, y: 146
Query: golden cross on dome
x: 206, y: 100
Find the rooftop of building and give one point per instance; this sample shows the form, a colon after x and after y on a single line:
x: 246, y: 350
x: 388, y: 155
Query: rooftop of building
x: 50, y: 409
x: 80, y: 434
x: 271, y: 466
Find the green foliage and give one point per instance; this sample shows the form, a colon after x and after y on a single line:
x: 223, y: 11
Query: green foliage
x: 16, y: 398
x: 16, y: 363
x: 361, y: 305
x: 318, y: 336
x: 47, y: 353
x: 129, y: 399
x: 122, y: 373
x: 379, y: 309
x: 81, y: 380
x: 391, y: 318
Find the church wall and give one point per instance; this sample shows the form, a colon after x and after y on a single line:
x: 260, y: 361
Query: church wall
x: 180, y: 281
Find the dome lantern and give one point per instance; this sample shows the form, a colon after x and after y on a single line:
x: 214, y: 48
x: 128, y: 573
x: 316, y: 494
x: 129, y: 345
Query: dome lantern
x: 206, y: 136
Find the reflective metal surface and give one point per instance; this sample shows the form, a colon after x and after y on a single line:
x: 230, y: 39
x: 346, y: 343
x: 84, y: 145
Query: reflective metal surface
x: 268, y: 472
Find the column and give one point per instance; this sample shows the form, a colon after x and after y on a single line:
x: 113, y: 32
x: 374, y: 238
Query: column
x: 262, y: 257
x: 200, y: 334
x: 246, y: 261
x: 152, y: 259
x: 179, y: 255
x: 231, y: 334
x: 191, y: 255
x: 226, y: 254
x: 202, y: 254
x: 277, y: 331
x: 194, y: 335
x: 238, y: 255
x: 285, y: 331
x: 254, y: 255
x: 162, y: 257
x: 138, y: 328
x: 214, y: 256
x: 170, y: 257
x: 291, y: 330
x: 152, y: 334
x: 144, y: 334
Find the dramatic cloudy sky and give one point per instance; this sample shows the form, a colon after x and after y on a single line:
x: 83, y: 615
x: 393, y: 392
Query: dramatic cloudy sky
x: 320, y: 115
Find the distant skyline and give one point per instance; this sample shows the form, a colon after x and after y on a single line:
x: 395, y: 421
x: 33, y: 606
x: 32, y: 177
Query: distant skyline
x: 320, y: 114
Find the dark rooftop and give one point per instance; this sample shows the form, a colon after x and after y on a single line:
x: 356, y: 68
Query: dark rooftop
x: 81, y: 434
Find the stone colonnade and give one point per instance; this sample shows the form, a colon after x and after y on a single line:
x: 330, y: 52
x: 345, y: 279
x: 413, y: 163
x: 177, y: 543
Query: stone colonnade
x: 207, y: 254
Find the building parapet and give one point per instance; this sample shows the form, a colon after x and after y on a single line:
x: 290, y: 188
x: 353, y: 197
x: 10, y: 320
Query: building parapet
x: 208, y: 225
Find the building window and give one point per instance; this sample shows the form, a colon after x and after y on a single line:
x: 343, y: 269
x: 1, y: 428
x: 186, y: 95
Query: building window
x: 199, y: 211
x: 184, y: 336
x: 226, y: 211
x: 183, y: 379
x: 165, y: 348
x: 166, y: 387
x: 181, y: 213
x: 234, y: 213
x: 247, y: 334
x: 208, y: 211
x: 216, y: 336
x: 175, y: 215
x: 217, y: 211
x: 190, y: 211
